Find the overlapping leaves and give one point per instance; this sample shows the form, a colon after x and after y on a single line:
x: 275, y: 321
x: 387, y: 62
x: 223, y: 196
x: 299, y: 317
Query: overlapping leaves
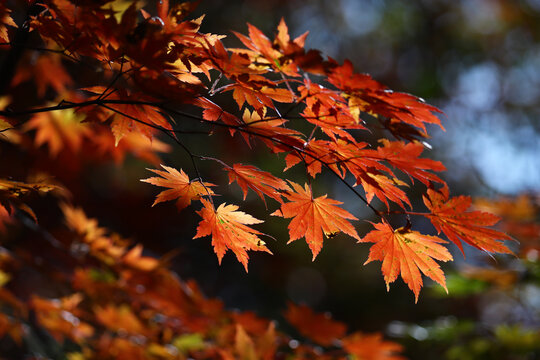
x: 155, y: 66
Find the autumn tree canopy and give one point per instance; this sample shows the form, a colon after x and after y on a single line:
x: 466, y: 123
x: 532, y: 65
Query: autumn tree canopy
x: 94, y: 81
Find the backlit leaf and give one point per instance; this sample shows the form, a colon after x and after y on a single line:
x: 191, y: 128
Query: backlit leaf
x: 228, y: 229
x: 314, y: 217
x: 453, y: 218
x: 407, y: 253
x: 181, y: 187
x: 262, y: 182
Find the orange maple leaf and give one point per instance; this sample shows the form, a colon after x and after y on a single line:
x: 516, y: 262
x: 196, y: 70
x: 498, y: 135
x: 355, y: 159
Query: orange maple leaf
x: 61, y: 317
x: 317, y: 327
x: 121, y: 318
x: 76, y: 220
x: 450, y: 216
x: 405, y: 156
x: 180, y: 187
x: 313, y: 217
x: 244, y: 345
x: 229, y: 231
x: 135, y: 143
x: 406, y: 252
x: 47, y: 72
x: 262, y: 182
x: 134, y: 259
x: 276, y: 54
x: 270, y: 130
x: 59, y: 130
x: 367, y: 95
x: 371, y: 347
x: 5, y: 19
x: 129, y: 117
x: 258, y: 92
x: 365, y: 164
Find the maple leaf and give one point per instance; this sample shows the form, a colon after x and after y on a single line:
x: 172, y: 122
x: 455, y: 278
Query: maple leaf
x: 270, y: 130
x: 121, y: 318
x: 237, y: 65
x: 366, y: 94
x: 522, y: 208
x: 180, y: 187
x: 252, y: 323
x: 376, y: 184
x: 12, y: 191
x: 244, y: 345
x: 313, y: 217
x: 315, y: 153
x: 405, y: 156
x: 108, y: 248
x: 275, y: 55
x: 60, y: 317
x: 5, y: 19
x: 258, y: 92
x: 371, y: 347
x: 59, y: 129
x: 134, y: 259
x: 135, y: 143
x: 262, y: 182
x: 229, y: 231
x: 48, y: 71
x: 329, y: 110
x: 317, y: 327
x: 76, y: 220
x: 450, y: 216
x: 128, y: 117
x: 212, y: 112
x: 406, y: 252
x: 365, y: 164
